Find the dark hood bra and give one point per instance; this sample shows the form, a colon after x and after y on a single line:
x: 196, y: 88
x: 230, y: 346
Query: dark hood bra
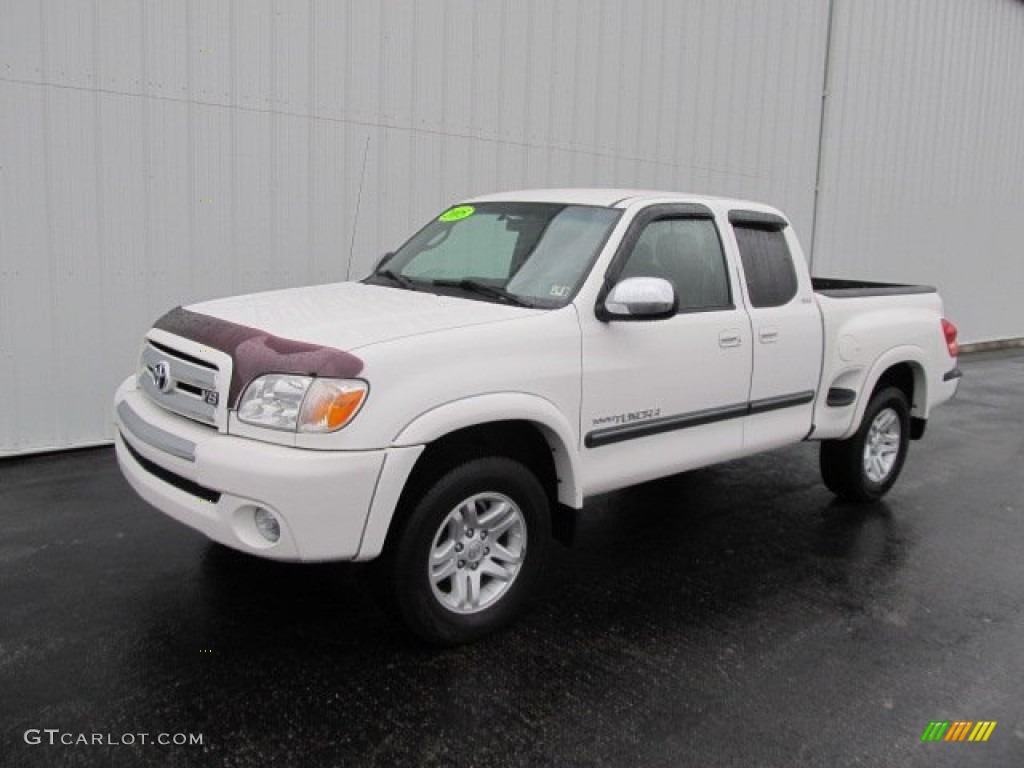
x: 255, y: 352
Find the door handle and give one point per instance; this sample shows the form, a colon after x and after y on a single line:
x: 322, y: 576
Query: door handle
x: 768, y: 335
x: 729, y: 338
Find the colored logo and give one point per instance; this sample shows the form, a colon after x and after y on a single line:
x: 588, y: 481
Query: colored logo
x: 459, y: 212
x: 958, y: 730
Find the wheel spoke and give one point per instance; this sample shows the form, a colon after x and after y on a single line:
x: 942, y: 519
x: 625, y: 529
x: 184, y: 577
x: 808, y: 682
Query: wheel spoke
x: 444, y: 571
x: 460, y: 588
x: 445, y: 552
x: 494, y: 513
x: 454, y: 526
x: 469, y: 516
x: 498, y: 529
x: 473, y: 592
x: 502, y: 553
x: 495, y: 569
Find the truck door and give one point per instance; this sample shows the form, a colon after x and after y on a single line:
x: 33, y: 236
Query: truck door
x: 787, y: 331
x: 662, y: 396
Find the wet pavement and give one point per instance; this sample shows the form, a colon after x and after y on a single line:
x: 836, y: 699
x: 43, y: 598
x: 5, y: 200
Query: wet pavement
x: 731, y: 616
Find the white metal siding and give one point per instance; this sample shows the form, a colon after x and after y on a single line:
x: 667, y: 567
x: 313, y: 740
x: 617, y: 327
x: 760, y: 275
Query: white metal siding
x: 923, y: 154
x: 159, y: 153
x: 156, y: 154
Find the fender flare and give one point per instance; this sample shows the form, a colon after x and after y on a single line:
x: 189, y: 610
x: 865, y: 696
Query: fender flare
x: 912, y: 355
x: 505, y: 406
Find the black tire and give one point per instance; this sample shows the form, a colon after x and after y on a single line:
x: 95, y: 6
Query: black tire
x: 408, y: 558
x: 842, y: 461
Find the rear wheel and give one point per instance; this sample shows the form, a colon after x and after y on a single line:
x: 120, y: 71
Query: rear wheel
x: 864, y: 467
x: 470, y: 549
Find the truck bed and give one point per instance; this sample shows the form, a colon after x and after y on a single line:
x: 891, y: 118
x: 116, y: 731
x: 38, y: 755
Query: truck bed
x: 837, y: 288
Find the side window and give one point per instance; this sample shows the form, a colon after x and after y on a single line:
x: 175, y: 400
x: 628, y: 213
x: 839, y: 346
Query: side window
x: 687, y: 253
x: 768, y: 265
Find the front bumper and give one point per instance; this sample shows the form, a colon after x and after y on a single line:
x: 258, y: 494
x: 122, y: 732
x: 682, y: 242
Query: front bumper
x: 214, y: 482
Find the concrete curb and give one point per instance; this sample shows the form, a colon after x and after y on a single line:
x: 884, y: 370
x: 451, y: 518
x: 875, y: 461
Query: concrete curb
x: 986, y: 346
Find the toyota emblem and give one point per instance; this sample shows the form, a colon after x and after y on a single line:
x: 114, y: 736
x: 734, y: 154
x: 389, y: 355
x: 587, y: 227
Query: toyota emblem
x: 161, y: 373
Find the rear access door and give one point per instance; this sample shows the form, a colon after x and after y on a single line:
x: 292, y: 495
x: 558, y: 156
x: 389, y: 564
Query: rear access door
x: 787, y: 331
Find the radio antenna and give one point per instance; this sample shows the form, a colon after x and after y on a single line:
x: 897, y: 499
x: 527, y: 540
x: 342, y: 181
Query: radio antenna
x: 355, y: 220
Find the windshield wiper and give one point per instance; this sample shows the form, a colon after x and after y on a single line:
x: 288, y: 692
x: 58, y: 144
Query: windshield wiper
x: 483, y: 289
x: 398, y: 279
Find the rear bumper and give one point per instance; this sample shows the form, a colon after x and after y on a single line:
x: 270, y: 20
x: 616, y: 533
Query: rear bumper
x: 214, y: 482
x: 950, y: 385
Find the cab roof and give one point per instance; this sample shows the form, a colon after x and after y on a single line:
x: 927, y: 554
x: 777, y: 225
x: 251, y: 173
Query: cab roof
x: 613, y: 198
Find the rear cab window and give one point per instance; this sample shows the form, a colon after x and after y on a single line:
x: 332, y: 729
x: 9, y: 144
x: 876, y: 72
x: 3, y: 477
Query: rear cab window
x: 767, y: 261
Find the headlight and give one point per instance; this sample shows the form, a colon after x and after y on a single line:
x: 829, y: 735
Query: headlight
x: 301, y: 403
x: 330, y: 404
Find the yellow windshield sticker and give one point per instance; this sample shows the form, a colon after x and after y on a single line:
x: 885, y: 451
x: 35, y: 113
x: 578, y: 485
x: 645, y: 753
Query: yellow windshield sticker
x: 456, y: 213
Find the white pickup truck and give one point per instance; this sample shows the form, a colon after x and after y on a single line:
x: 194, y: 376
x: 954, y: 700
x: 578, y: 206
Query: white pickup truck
x: 520, y: 353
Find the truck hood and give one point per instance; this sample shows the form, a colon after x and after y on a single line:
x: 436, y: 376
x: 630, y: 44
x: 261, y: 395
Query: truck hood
x: 348, y: 316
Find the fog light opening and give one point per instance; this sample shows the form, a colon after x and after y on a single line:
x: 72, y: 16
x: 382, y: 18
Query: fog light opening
x: 267, y: 524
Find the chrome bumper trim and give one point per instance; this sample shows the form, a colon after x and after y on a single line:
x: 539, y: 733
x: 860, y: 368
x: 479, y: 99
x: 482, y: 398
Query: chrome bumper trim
x: 154, y: 436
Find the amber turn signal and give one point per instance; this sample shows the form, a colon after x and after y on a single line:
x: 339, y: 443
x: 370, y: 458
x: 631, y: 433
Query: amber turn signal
x: 330, y: 404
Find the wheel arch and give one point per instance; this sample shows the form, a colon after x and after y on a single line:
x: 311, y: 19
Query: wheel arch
x: 524, y: 427
x: 903, y: 368
x: 487, y: 413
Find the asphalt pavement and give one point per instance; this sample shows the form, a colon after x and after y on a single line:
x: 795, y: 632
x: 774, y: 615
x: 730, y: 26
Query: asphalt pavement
x: 736, y: 615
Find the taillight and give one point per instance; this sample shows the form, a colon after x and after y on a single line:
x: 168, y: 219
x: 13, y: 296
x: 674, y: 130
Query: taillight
x: 949, y: 331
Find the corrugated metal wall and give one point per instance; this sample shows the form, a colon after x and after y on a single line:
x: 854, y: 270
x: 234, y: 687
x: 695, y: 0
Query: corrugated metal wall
x: 158, y: 153
x: 923, y: 154
x: 154, y: 154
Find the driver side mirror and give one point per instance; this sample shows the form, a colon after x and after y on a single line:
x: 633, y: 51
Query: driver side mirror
x: 640, y: 298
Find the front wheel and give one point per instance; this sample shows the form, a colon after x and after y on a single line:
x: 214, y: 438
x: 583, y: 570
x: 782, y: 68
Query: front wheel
x: 864, y: 467
x: 470, y: 549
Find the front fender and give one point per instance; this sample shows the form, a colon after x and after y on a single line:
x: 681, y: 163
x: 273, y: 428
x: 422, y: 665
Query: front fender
x: 506, y: 406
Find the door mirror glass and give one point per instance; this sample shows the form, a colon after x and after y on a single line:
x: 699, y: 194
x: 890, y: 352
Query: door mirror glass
x: 641, y: 298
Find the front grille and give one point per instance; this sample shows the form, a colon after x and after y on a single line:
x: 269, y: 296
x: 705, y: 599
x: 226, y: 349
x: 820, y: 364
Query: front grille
x: 180, y: 382
x: 179, y: 482
x: 182, y: 355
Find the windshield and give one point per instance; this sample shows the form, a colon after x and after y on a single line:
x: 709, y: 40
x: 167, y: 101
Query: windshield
x: 533, y: 254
